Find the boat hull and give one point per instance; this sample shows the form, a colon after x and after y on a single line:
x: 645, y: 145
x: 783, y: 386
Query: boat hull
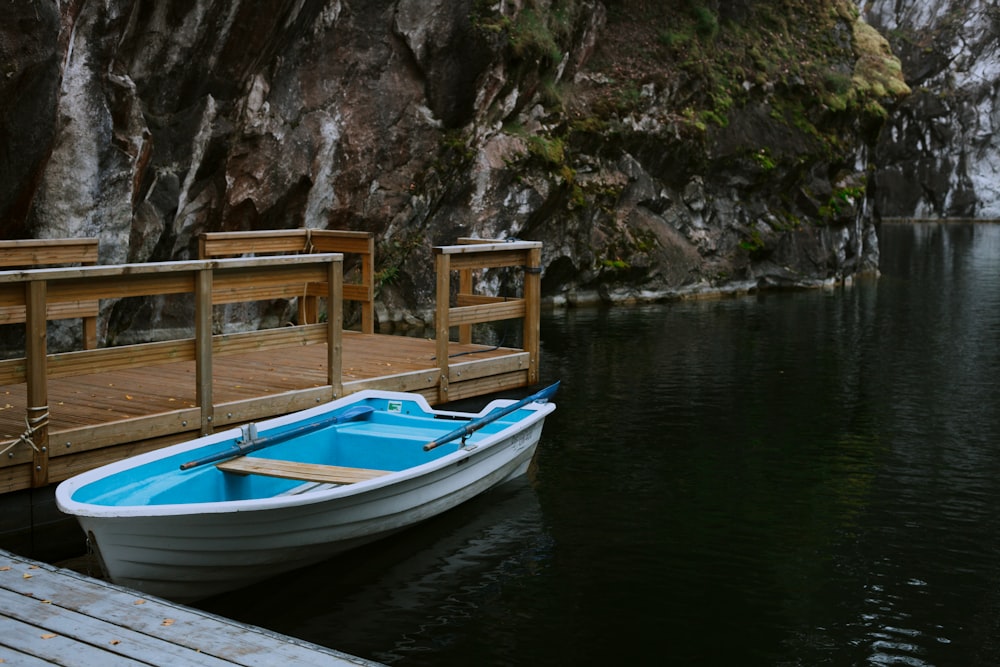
x: 186, y: 553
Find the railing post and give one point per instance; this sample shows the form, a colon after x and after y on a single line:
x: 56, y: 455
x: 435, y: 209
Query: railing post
x: 442, y: 263
x: 465, y: 287
x: 90, y: 333
x: 532, y: 312
x: 203, y: 346
x: 335, y: 327
x: 36, y: 352
x: 368, y: 276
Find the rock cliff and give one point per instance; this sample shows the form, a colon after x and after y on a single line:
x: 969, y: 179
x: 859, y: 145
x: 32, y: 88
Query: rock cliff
x: 659, y: 149
x: 939, y: 154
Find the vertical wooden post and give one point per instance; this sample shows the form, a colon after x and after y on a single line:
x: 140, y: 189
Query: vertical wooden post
x: 465, y: 287
x: 90, y: 333
x: 90, y: 323
x: 442, y: 262
x: 36, y: 351
x: 203, y: 346
x: 532, y: 312
x: 308, y: 308
x: 335, y: 326
x: 368, y: 276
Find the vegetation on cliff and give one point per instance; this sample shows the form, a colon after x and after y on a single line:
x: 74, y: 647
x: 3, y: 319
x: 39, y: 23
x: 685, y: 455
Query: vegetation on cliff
x: 768, y: 103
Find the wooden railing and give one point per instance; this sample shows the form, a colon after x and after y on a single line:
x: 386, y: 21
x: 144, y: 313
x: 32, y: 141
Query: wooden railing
x: 467, y: 257
x: 31, y: 253
x: 213, y: 282
x: 294, y: 241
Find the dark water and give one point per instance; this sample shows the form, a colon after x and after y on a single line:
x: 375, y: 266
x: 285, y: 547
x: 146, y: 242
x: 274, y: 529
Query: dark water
x: 791, y: 479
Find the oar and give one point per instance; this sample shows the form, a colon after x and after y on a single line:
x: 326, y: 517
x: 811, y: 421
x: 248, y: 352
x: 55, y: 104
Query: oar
x: 354, y: 413
x: 477, y: 424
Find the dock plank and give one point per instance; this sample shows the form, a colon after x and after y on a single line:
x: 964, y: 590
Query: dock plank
x: 15, y: 658
x: 50, y: 646
x: 87, y: 400
x: 66, y: 618
x: 127, y: 411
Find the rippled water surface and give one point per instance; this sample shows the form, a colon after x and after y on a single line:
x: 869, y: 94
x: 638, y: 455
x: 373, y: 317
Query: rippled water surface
x: 807, y: 478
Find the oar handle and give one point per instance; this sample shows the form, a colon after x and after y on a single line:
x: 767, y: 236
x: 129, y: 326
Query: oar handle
x: 354, y: 413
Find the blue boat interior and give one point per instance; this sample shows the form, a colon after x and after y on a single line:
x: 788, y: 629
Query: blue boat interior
x: 390, y: 438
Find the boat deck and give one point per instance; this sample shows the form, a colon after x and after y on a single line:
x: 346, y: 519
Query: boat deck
x: 53, y: 616
x: 370, y: 361
x: 128, y: 396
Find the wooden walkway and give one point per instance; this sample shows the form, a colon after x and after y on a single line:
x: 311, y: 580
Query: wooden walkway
x: 281, y: 377
x: 50, y: 616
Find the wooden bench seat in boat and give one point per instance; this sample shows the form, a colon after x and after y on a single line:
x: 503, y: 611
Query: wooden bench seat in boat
x: 309, y: 472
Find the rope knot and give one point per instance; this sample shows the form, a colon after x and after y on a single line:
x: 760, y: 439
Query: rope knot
x: 35, y: 420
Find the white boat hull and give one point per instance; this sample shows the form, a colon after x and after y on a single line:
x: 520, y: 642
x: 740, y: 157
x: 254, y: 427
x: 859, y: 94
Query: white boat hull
x: 187, y: 552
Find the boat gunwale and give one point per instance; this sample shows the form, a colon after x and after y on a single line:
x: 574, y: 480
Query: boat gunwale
x: 66, y: 490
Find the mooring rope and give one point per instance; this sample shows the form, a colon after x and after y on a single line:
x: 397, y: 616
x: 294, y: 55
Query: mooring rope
x: 32, y: 426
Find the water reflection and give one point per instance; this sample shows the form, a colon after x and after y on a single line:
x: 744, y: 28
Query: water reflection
x: 801, y: 478
x: 740, y: 438
x: 924, y: 564
x: 426, y: 585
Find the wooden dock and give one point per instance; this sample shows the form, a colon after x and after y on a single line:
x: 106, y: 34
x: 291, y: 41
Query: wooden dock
x: 67, y: 412
x: 51, y: 616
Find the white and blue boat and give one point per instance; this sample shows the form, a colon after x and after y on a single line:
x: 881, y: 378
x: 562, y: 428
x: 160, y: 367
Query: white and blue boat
x: 226, y: 510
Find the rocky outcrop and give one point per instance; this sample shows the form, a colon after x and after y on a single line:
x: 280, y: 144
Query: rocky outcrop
x: 658, y: 149
x: 939, y: 154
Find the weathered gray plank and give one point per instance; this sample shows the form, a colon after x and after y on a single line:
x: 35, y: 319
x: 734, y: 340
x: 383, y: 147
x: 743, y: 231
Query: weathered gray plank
x: 77, y: 606
x: 99, y: 642
x: 14, y: 658
x: 56, y: 649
